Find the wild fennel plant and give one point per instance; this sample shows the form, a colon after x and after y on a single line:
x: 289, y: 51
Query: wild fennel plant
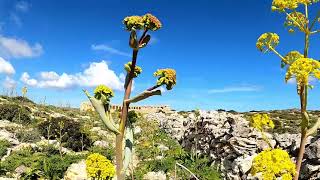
x: 103, y: 94
x: 299, y: 66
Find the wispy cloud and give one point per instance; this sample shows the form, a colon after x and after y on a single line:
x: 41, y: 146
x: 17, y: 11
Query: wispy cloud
x: 17, y: 48
x: 22, y: 6
x: 241, y: 88
x: 109, y: 49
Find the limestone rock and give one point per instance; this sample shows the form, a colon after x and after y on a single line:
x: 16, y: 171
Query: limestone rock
x: 155, y: 176
x: 76, y: 171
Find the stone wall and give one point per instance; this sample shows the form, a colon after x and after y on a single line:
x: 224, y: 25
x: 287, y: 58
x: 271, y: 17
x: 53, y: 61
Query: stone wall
x: 87, y: 106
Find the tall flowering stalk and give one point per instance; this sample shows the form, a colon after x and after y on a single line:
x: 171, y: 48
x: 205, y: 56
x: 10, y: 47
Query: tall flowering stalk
x: 103, y: 94
x: 299, y: 66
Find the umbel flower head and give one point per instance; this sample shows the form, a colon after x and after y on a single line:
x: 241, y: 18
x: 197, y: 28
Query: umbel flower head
x: 133, y: 23
x: 151, y: 22
x: 167, y: 77
x: 267, y: 41
x: 294, y: 18
x: 282, y: 5
x: 147, y: 21
x: 261, y: 122
x: 99, y: 167
x: 273, y: 163
x: 302, y: 69
x: 137, y: 69
x: 103, y: 93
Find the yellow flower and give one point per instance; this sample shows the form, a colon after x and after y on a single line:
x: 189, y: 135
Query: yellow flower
x: 281, y: 5
x: 133, y: 23
x: 297, y: 20
x: 267, y: 41
x: 261, y: 122
x: 137, y: 69
x: 302, y: 69
x: 103, y: 91
x: 151, y: 22
x: 167, y: 77
x: 273, y: 163
x: 99, y: 167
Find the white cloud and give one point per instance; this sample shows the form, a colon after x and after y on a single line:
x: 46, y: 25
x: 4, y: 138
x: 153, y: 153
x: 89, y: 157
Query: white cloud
x: 97, y: 73
x: 6, y: 67
x: 16, y: 19
x: 247, y: 88
x: 109, y: 49
x: 22, y: 6
x: 18, y: 48
x: 9, y: 83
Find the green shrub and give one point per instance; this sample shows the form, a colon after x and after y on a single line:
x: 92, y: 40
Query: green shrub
x: 21, y: 99
x: 15, y: 113
x: 4, y: 145
x: 147, y: 151
x: 107, y: 152
x: 29, y: 136
x: 41, y: 165
x: 73, y: 137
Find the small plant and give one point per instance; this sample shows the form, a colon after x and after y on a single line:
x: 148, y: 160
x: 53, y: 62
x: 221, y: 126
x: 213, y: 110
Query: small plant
x: 272, y: 163
x: 24, y: 91
x: 4, y: 145
x: 299, y: 66
x: 103, y: 94
x: 99, y: 167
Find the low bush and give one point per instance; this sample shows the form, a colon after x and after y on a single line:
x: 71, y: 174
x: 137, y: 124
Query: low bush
x: 40, y: 165
x: 15, y: 113
x: 72, y: 136
x: 107, y: 152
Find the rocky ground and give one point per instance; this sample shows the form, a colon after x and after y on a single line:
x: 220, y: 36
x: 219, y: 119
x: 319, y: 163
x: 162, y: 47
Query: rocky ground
x: 223, y: 139
x: 231, y: 144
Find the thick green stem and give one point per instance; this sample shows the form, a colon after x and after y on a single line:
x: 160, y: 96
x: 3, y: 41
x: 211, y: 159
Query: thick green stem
x: 124, y: 113
x: 303, y: 104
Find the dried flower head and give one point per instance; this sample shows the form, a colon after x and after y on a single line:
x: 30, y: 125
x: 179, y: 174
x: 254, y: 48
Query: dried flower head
x: 103, y: 93
x: 273, y: 164
x: 151, y: 22
x: 167, y: 77
x: 137, y: 69
x: 267, y: 41
x: 261, y: 122
x: 99, y: 167
x: 302, y: 69
x: 133, y: 23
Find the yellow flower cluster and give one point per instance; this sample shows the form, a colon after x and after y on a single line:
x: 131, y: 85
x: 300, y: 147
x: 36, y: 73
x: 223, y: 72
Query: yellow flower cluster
x: 133, y: 22
x: 167, y: 77
x: 281, y: 5
x: 301, y: 69
x: 267, y: 41
x: 292, y: 56
x: 296, y: 20
x: 137, y: 69
x: 103, y: 91
x: 99, y: 167
x: 273, y: 163
x: 261, y: 122
x: 147, y: 21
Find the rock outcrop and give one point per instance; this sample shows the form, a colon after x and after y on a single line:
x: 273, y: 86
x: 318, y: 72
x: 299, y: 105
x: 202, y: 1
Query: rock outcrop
x: 231, y: 143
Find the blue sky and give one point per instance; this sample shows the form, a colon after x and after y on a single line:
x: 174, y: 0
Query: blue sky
x: 59, y: 47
